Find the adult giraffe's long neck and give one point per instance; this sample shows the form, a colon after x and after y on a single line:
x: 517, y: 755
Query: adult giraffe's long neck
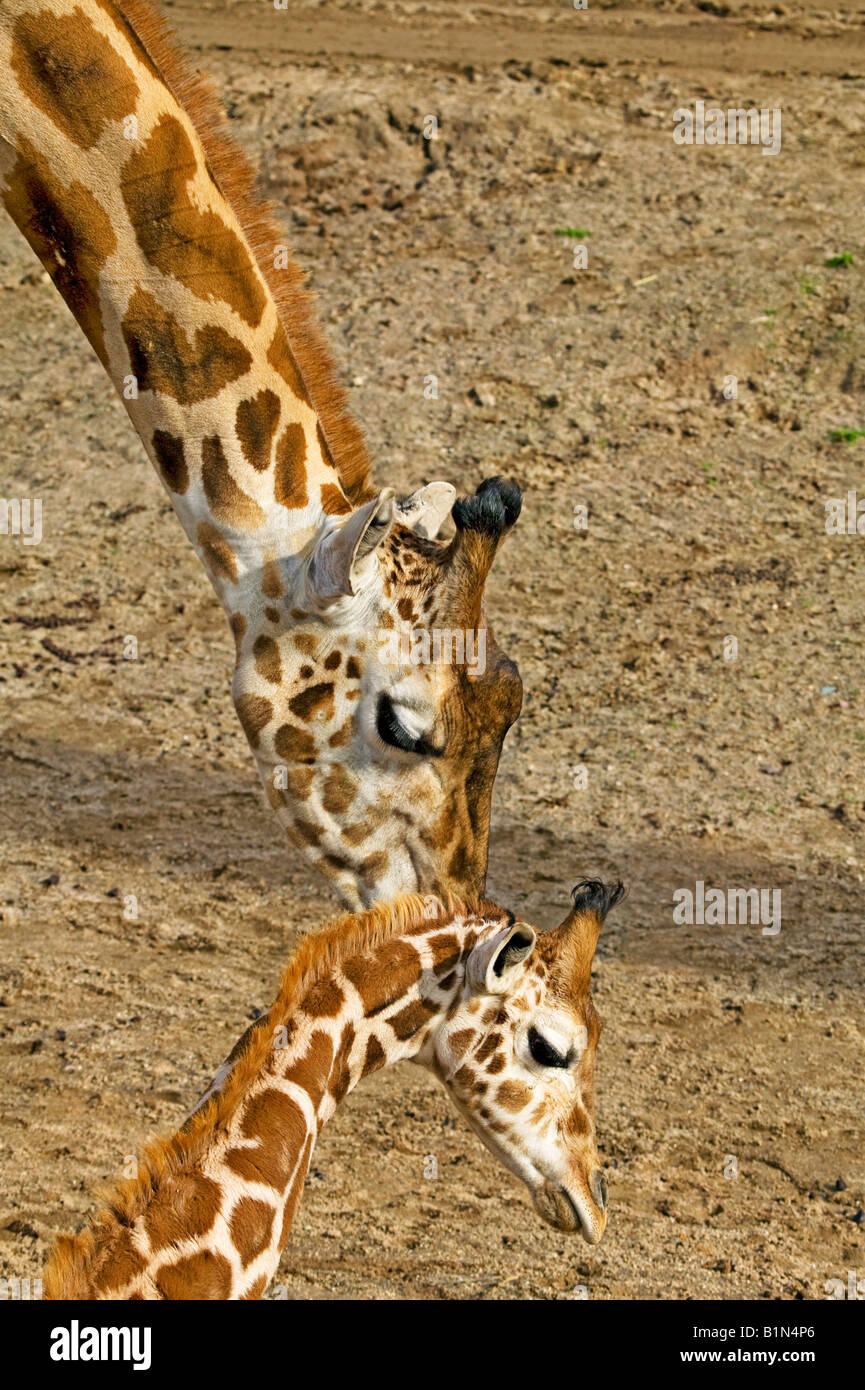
x: 211, y: 1209
x: 114, y: 166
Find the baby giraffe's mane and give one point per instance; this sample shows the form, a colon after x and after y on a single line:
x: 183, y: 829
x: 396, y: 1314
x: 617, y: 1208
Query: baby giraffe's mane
x: 316, y: 957
x: 236, y: 180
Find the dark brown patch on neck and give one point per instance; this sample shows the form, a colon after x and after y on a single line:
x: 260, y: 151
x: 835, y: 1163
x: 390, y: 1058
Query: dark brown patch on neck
x: 164, y: 359
x: 256, y: 421
x: 72, y: 73
x: 190, y: 244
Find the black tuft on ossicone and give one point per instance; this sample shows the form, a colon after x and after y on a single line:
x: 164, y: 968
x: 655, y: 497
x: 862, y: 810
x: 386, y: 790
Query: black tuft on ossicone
x: 493, y: 509
x: 593, y: 895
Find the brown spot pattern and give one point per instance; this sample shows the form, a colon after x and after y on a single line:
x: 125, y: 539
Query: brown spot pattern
x: 513, y: 1095
x: 218, y: 554
x: 375, y: 1057
x: 251, y: 1227
x: 294, y: 745
x: 271, y: 580
x: 307, y: 832
x: 267, y: 661
x: 204, y: 1276
x: 289, y: 478
x: 488, y: 1046
x: 72, y: 73
x: 339, y: 790
x: 578, y: 1121
x: 255, y: 1290
x: 171, y: 459
x: 355, y: 833
x: 277, y: 1122
x: 163, y: 359
x: 383, y: 977
x: 333, y: 500
x: 184, y: 1206
x: 256, y: 421
x: 120, y: 21
x: 188, y: 243
x: 460, y: 1041
x: 314, y: 701
x: 311, y: 1071
x: 340, y: 1079
x: 407, y: 1022
x: 342, y: 736
x: 281, y: 358
x: 228, y: 502
x: 375, y: 865
x: 294, y: 1195
x: 254, y: 712
x: 324, y: 1000
x: 445, y: 952
x: 238, y: 627
x: 299, y: 781
x: 123, y: 1264
x: 70, y: 233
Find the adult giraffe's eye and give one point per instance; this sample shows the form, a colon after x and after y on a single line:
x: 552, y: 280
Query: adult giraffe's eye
x: 391, y: 730
x: 542, y: 1053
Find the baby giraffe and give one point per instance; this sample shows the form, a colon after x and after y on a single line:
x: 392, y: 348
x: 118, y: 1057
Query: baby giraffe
x: 502, y: 1014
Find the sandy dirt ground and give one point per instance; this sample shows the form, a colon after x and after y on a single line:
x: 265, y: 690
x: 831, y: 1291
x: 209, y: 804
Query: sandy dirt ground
x: 599, y: 387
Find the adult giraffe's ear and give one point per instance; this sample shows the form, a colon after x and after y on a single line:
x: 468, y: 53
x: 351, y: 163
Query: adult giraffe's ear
x: 493, y: 965
x: 342, y: 560
x: 425, y: 510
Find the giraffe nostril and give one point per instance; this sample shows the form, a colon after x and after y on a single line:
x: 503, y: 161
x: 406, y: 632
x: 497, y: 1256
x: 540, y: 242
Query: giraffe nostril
x: 599, y: 1188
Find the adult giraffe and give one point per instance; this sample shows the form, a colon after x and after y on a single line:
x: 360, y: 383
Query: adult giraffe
x: 115, y: 165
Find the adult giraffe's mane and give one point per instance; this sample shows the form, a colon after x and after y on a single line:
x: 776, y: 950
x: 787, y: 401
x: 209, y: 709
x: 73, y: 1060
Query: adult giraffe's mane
x: 236, y: 179
x: 66, y: 1274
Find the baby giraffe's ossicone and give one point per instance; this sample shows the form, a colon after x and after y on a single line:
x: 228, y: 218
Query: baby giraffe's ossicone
x: 502, y: 1014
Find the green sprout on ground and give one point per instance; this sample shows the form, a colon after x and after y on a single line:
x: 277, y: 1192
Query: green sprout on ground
x: 843, y: 258
x: 808, y: 284
x: 707, y: 468
x: 846, y: 436
x: 571, y: 231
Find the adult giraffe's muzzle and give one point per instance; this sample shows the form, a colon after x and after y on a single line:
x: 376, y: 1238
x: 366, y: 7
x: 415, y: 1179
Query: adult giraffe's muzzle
x: 573, y: 1211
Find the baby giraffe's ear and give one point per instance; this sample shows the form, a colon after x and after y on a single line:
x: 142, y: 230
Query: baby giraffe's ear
x: 494, y: 964
x: 341, y: 560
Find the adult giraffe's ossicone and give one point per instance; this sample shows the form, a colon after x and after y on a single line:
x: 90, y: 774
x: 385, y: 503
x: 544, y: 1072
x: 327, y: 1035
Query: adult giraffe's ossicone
x: 500, y: 1013
x: 379, y: 757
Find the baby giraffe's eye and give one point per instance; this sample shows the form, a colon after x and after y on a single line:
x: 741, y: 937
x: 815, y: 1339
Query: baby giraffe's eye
x: 542, y: 1053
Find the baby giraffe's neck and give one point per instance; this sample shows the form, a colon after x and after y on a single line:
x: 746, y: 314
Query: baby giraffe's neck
x: 211, y: 1209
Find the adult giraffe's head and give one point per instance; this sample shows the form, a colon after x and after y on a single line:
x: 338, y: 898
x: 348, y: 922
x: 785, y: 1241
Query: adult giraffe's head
x: 517, y: 1053
x: 375, y: 698
x: 115, y: 165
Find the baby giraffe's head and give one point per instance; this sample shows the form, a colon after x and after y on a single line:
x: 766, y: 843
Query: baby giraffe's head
x: 517, y: 1052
